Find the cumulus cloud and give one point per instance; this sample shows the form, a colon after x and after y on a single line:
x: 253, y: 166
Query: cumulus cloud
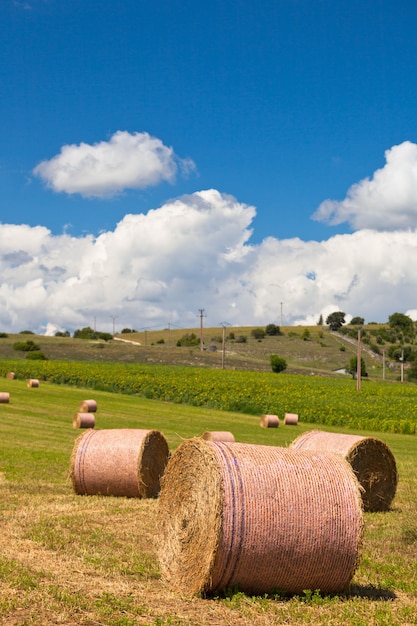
x: 387, y: 201
x: 195, y: 252
x: 126, y: 161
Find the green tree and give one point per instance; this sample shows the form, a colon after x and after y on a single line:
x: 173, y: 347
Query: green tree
x: 401, y: 323
x: 357, y: 321
x: 272, y: 329
x: 278, y: 363
x: 336, y: 320
x: 320, y: 321
x: 353, y: 367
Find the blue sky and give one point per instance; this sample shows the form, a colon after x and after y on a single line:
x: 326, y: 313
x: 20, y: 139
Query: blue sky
x: 111, y: 109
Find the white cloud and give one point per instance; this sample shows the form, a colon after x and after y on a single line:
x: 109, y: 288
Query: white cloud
x: 126, y: 161
x: 195, y: 252
x: 387, y: 201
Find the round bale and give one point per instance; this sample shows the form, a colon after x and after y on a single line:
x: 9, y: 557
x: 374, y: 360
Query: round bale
x: 11, y: 375
x: 269, y: 421
x: 119, y: 462
x: 371, y: 460
x: 4, y: 397
x: 291, y: 419
x: 258, y: 518
x: 83, y: 420
x: 33, y: 382
x: 88, y: 406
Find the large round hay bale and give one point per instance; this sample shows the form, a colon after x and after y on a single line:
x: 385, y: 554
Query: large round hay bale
x: 33, y: 382
x: 11, y: 375
x: 119, y: 462
x: 269, y: 421
x: 218, y: 435
x: 259, y: 518
x: 4, y: 397
x: 291, y: 419
x: 83, y: 420
x: 371, y: 460
x: 88, y: 406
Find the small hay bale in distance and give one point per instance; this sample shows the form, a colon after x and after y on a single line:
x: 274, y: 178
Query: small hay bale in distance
x: 4, y: 397
x: 83, y: 420
x: 291, y: 419
x: 119, y: 462
x: 371, y: 460
x: 269, y: 421
x: 11, y: 375
x: 88, y: 406
x: 259, y: 518
x: 33, y: 382
x: 218, y: 435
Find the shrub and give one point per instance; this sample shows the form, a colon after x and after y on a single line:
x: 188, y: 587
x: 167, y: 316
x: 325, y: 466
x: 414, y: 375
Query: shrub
x: 26, y: 346
x: 189, y: 339
x: 3, y: 335
x: 62, y: 333
x: 36, y: 356
x: 278, y: 363
x: 241, y: 339
x: 258, y: 333
x: 272, y: 329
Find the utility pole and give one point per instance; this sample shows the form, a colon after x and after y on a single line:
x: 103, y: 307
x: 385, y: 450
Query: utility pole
x: 201, y: 329
x: 280, y: 317
x: 358, y: 364
x: 224, y: 324
x: 114, y: 319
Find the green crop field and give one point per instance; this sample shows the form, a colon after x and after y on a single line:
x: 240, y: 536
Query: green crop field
x: 68, y: 559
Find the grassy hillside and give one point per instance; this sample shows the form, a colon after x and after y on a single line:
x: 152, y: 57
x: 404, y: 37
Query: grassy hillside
x: 322, y: 352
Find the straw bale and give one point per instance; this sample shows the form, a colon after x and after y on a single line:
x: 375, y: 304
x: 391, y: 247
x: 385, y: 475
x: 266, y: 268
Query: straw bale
x: 84, y: 420
x: 4, y: 397
x: 260, y: 518
x: 218, y: 435
x: 33, y: 382
x: 88, y: 406
x: 371, y: 460
x: 291, y: 419
x: 269, y: 421
x: 119, y: 462
x: 11, y: 375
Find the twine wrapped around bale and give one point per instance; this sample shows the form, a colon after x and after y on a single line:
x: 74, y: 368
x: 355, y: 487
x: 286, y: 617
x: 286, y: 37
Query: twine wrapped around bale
x: 269, y: 421
x: 218, y: 435
x: 4, y: 397
x: 259, y: 518
x: 371, y: 460
x: 88, y: 406
x: 119, y: 462
x: 83, y: 420
x: 33, y: 382
x: 11, y: 375
x: 291, y: 419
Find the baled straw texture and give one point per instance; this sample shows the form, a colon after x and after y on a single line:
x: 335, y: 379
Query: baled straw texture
x: 261, y: 518
x: 371, y: 460
x: 33, y: 382
x: 83, y: 420
x: 4, y: 397
x: 11, y: 375
x: 119, y: 462
x: 291, y: 419
x: 269, y: 421
x: 88, y: 406
x: 218, y: 435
